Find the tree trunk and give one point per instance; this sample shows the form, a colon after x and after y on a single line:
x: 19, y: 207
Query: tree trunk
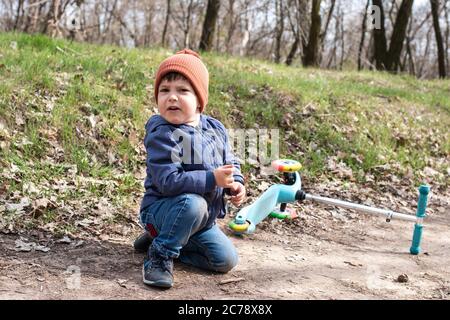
x: 310, y: 57
x: 187, y: 25
x: 53, y: 18
x: 166, y: 23
x: 148, y: 22
x: 28, y: 17
x: 379, y: 37
x: 279, y: 29
x: 231, y: 24
x: 410, y: 42
x: 19, y: 8
x: 398, y: 35
x: 36, y: 17
x: 333, y: 53
x: 370, y: 58
x: 209, y: 25
x: 447, y: 35
x: 107, y: 24
x: 427, y: 47
x: 247, y: 22
x: 330, y: 13
x: 293, y: 51
x: 439, y: 42
x: 412, y: 66
x: 323, y: 34
x: 391, y: 12
x: 83, y: 23
x: 342, y: 34
x: 363, y: 35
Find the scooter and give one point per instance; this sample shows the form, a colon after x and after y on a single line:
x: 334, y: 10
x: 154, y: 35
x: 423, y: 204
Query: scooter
x: 290, y: 191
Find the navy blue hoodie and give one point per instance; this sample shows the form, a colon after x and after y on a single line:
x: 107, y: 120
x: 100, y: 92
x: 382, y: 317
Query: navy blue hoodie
x: 182, y: 158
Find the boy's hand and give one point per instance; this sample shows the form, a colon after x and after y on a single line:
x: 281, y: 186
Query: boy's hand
x: 224, y: 176
x: 238, y: 192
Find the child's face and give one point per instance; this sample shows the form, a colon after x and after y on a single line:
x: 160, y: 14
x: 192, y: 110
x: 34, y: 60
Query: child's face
x: 177, y: 102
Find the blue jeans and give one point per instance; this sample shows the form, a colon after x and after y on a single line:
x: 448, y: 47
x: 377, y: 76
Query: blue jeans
x: 186, y: 231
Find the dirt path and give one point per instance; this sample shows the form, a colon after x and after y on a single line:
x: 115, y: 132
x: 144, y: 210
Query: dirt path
x: 322, y: 255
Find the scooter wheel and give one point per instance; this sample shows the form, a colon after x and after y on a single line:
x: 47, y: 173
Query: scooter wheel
x: 238, y: 227
x: 289, y: 213
x: 279, y: 215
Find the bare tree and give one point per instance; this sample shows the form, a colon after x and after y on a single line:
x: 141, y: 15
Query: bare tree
x: 439, y: 42
x: 398, y: 35
x: 185, y: 16
x: 52, y: 16
x: 311, y: 55
x: 279, y: 29
x: 299, y: 25
x: 57, y: 8
x: 379, y: 36
x: 325, y: 29
x: 209, y: 25
x: 149, y: 15
x: 261, y: 30
x: 166, y: 23
x: 393, y: 10
x: 232, y: 21
x: 338, y: 43
x: 420, y: 72
x: 342, y: 38
x: 447, y: 34
x: 390, y: 59
x: 409, y: 52
x: 296, y: 20
x: 363, y: 35
x: 265, y: 29
x: 246, y: 26
x: 18, y: 13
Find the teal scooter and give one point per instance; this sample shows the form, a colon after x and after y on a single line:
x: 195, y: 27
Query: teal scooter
x: 290, y: 191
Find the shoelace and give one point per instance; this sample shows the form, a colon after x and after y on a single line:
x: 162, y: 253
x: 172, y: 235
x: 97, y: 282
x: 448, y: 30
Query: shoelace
x: 160, y: 263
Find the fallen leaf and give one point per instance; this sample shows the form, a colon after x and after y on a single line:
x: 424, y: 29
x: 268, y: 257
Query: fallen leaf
x: 18, y: 207
x: 262, y: 186
x: 122, y: 283
x: 23, y: 246
x: 65, y: 239
x: 231, y: 280
x: 353, y: 264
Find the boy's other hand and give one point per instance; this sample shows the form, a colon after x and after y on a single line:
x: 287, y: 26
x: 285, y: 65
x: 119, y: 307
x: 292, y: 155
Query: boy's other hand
x: 224, y: 176
x: 238, y: 192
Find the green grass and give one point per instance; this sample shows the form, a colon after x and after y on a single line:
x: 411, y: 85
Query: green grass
x: 96, y: 100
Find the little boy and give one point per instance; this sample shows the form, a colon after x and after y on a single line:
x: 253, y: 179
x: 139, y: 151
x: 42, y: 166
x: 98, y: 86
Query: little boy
x: 189, y: 168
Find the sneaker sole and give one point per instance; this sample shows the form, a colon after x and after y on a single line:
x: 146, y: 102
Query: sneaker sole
x: 161, y: 284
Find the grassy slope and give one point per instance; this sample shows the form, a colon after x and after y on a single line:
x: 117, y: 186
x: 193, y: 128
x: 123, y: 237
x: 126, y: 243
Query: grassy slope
x: 73, y: 115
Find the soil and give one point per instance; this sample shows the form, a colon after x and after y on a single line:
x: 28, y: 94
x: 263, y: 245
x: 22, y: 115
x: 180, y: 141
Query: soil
x: 326, y: 253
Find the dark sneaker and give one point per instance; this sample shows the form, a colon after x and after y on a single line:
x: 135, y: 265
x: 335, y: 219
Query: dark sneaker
x: 143, y: 242
x: 157, y: 270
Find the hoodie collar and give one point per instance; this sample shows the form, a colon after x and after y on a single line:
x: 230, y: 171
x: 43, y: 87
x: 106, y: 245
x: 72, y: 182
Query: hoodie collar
x: 157, y: 120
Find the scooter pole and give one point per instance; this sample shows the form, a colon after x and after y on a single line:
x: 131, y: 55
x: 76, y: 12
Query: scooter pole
x: 359, y: 207
x: 418, y: 218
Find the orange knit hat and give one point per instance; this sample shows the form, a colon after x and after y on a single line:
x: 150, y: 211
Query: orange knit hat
x: 189, y: 64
